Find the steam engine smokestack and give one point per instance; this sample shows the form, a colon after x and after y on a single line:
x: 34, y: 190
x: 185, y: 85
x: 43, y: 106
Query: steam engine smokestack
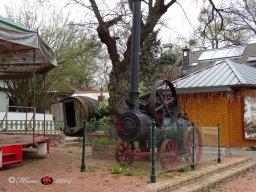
x: 134, y: 125
x: 134, y: 94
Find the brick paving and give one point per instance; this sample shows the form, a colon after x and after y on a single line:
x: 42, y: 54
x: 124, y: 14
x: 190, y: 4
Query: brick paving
x: 63, y: 165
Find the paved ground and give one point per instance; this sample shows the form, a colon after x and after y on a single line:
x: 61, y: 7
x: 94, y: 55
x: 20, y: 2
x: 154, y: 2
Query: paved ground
x: 245, y: 182
x: 63, y: 165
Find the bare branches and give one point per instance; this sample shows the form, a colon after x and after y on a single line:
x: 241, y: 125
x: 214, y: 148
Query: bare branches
x: 168, y: 5
x: 218, y: 11
x: 245, y: 15
x: 112, y: 22
x: 96, y: 11
x: 185, y: 15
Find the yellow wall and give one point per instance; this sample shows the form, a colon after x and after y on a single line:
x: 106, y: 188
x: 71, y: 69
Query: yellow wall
x: 208, y: 109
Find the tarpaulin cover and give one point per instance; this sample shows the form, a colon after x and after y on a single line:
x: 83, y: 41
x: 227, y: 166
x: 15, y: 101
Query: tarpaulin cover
x: 23, y: 52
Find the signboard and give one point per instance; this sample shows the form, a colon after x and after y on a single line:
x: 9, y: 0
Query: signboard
x: 209, y: 136
x: 250, y: 118
x: 210, y: 130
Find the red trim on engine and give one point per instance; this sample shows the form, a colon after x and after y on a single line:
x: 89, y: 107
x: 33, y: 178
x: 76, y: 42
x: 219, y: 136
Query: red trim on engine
x: 119, y: 126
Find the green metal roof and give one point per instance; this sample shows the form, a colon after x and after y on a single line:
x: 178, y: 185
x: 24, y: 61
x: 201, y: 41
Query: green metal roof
x: 15, y: 25
x: 23, y: 52
x: 225, y: 73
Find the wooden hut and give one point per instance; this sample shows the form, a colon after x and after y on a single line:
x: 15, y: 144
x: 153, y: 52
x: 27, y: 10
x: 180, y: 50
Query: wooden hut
x: 223, y: 93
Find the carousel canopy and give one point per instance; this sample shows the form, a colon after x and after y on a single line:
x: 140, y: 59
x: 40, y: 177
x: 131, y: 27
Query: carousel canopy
x: 23, y: 52
x: 220, y: 76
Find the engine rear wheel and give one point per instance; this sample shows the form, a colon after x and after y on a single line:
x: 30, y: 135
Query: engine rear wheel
x: 198, y: 146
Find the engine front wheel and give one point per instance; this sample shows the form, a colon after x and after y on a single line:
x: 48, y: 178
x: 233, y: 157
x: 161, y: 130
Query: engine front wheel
x: 169, y: 154
x: 125, y: 153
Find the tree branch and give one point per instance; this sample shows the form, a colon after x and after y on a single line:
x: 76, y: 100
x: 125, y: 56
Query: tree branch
x: 170, y: 4
x: 96, y: 11
x: 214, y: 9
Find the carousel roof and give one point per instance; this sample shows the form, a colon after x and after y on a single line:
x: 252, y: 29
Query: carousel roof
x: 219, y: 76
x: 23, y: 52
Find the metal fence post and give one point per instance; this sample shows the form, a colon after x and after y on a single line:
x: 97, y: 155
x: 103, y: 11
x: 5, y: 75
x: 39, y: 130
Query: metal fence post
x: 153, y: 144
x: 219, y: 156
x: 83, y: 148
x: 193, y: 166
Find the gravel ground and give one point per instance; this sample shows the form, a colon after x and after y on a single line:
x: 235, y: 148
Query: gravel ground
x: 245, y: 182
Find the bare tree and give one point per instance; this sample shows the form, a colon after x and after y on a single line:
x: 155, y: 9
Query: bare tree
x: 113, y: 27
x: 103, y: 69
x: 244, y: 15
x: 75, y: 51
x: 220, y: 32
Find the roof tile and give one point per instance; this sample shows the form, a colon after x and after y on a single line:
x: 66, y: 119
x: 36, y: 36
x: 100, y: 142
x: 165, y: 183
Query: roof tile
x: 221, y: 73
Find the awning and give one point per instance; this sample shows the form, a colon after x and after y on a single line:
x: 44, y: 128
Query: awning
x: 23, y: 52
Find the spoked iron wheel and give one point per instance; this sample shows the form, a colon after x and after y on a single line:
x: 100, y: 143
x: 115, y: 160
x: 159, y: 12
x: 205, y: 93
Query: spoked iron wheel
x: 169, y: 154
x: 198, y: 146
x: 125, y: 153
x: 163, y: 103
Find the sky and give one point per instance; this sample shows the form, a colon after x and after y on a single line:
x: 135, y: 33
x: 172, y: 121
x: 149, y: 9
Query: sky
x: 180, y: 23
x: 177, y: 21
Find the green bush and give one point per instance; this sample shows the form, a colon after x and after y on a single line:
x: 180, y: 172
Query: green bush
x: 104, y: 124
x: 102, y: 109
x: 116, y: 168
x: 101, y: 121
x: 184, y: 169
x: 166, y: 175
x: 128, y: 171
x: 92, y: 123
x: 103, y: 141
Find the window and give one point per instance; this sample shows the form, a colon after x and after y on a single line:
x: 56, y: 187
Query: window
x: 193, y: 64
x: 206, y: 55
x: 236, y: 51
x: 222, y: 53
x: 251, y: 59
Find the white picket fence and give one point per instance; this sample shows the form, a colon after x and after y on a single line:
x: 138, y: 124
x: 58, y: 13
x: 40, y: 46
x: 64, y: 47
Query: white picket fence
x: 17, y: 122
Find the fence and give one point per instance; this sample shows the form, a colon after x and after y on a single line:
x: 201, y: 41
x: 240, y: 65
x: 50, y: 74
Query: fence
x: 199, y: 146
x: 23, y: 126
x: 180, y: 151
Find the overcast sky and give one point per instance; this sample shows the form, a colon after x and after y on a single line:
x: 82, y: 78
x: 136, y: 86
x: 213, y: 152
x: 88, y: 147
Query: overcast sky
x: 177, y: 22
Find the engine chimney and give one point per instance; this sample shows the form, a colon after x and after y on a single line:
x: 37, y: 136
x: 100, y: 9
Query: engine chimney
x: 134, y: 94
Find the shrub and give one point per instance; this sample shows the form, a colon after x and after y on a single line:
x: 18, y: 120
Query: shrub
x: 128, y: 172
x: 116, y: 169
x: 184, y: 169
x: 103, y: 141
x: 101, y: 121
x: 104, y: 124
x: 102, y: 109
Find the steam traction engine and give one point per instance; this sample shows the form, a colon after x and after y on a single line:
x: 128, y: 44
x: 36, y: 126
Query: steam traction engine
x: 173, y: 135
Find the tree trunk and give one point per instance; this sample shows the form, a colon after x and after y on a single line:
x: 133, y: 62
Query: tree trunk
x: 118, y: 89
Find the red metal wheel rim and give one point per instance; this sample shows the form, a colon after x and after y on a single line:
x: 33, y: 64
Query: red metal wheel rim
x: 163, y: 103
x: 198, y: 147
x: 169, y: 157
x: 125, y: 153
